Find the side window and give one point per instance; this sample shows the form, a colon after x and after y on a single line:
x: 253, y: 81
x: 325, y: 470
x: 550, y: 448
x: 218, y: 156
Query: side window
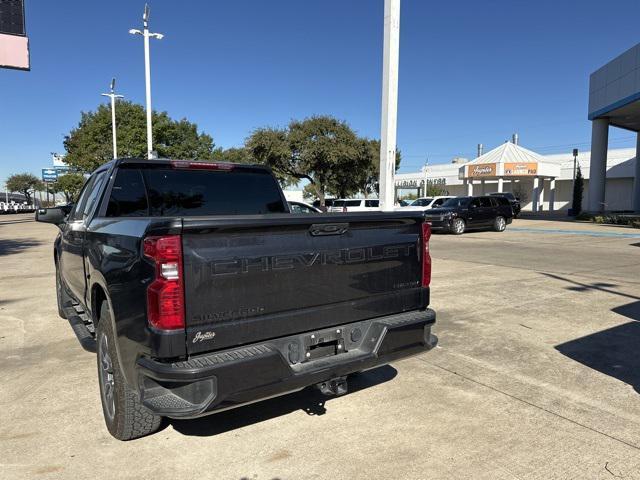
x: 486, y: 202
x: 295, y: 208
x: 128, y: 196
x: 474, y: 203
x: 371, y: 203
x: 94, y: 193
x: 438, y: 202
x: 76, y: 214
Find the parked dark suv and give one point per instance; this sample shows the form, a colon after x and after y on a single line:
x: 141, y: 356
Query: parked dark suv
x: 465, y: 213
x: 513, y: 200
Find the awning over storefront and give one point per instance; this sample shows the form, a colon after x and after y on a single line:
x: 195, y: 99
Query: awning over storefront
x: 509, y: 161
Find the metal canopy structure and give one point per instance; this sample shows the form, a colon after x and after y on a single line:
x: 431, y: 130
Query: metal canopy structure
x: 511, y: 162
x: 614, y: 100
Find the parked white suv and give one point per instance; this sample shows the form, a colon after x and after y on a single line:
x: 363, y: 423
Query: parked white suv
x: 355, y: 205
x: 427, y: 203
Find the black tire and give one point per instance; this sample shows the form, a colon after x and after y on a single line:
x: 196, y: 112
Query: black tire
x: 126, y: 418
x: 499, y: 224
x: 60, y: 295
x: 458, y: 226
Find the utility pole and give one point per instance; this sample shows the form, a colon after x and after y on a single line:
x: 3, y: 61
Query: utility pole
x: 390, y: 62
x: 147, y: 72
x: 426, y: 179
x: 112, y: 95
x: 575, y: 161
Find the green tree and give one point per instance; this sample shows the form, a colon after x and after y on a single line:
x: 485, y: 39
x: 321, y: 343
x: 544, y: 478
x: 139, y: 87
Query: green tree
x: 89, y: 145
x: 578, y: 188
x: 233, y: 155
x: 70, y: 185
x: 436, y: 190
x: 24, y: 183
x: 321, y: 149
x: 368, y: 177
x: 270, y: 146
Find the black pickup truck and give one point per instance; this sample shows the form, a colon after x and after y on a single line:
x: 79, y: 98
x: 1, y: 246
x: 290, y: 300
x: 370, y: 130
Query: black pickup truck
x: 200, y: 291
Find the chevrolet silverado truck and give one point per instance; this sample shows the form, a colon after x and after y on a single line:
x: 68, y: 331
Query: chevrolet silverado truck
x: 197, y: 299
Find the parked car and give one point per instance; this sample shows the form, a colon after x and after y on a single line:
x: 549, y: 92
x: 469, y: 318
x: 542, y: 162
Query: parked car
x: 460, y: 214
x: 513, y: 200
x: 301, y: 207
x: 327, y: 204
x: 354, y: 205
x: 197, y: 300
x: 426, y: 203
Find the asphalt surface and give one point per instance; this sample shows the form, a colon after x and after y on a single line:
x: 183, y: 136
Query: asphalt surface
x: 537, y: 376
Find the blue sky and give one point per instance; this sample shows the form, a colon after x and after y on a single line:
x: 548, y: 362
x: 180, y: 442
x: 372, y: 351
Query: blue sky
x: 470, y: 71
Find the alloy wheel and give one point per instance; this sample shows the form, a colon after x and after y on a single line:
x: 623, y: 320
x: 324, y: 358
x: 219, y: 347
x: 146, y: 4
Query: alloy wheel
x: 107, y: 382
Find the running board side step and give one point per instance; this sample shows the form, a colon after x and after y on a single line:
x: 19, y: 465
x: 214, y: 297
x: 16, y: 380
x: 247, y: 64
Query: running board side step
x: 80, y: 328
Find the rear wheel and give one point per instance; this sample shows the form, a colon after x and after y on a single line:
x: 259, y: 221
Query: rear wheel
x: 125, y: 416
x: 457, y: 226
x: 60, y: 296
x: 499, y: 224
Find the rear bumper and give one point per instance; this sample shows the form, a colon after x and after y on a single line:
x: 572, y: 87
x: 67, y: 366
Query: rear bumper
x: 209, y: 383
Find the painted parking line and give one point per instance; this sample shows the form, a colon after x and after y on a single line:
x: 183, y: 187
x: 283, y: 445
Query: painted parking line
x: 589, y: 233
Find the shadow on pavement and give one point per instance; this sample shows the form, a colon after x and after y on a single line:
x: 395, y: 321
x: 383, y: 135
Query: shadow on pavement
x: 9, y: 246
x: 309, y: 400
x: 613, y: 352
x: 585, y: 287
x: 10, y: 222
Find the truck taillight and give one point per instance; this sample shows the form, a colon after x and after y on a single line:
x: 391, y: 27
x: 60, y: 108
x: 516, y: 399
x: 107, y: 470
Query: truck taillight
x: 426, y: 256
x: 201, y: 165
x: 165, y: 295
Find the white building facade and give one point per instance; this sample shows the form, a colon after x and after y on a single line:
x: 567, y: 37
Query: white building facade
x: 614, y: 100
x: 546, y: 187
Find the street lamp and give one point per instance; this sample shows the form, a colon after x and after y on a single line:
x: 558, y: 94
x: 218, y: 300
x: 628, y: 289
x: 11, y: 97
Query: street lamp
x: 426, y: 180
x: 147, y: 72
x: 112, y: 95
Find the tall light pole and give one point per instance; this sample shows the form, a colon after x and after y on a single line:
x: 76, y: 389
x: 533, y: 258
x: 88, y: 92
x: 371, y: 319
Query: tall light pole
x: 390, y: 61
x: 147, y: 72
x: 112, y: 95
x: 426, y: 164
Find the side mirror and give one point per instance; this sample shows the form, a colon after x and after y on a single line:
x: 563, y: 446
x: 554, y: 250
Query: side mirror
x: 56, y: 215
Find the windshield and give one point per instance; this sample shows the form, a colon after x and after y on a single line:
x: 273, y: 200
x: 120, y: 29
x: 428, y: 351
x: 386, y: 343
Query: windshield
x: 422, y: 202
x: 457, y: 202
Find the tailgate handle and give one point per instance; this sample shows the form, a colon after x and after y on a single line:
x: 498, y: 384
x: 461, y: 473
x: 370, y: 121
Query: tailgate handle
x: 318, y: 229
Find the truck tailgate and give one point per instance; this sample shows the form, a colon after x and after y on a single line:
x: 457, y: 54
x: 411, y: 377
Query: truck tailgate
x: 259, y: 277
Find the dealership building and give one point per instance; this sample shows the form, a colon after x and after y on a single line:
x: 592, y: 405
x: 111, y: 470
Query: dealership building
x: 543, y: 182
x: 614, y: 100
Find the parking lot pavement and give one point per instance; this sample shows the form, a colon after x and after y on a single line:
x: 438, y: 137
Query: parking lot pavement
x: 537, y: 375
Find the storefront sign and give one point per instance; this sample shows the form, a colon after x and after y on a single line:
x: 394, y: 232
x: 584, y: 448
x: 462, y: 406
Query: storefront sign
x: 409, y: 183
x: 481, y: 170
x: 520, y: 169
x: 419, y: 183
